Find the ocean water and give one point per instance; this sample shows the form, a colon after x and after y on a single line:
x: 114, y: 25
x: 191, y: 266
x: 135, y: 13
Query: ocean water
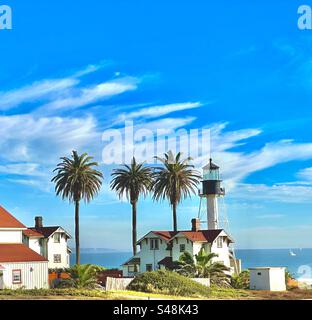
x: 106, y: 259
x: 299, y: 265
x: 250, y: 258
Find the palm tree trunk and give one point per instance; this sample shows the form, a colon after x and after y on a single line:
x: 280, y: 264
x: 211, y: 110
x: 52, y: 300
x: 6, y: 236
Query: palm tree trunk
x: 77, y: 232
x: 174, y: 214
x: 134, y: 227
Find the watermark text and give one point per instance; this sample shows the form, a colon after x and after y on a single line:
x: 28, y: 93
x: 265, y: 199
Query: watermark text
x: 305, y: 17
x: 5, y: 17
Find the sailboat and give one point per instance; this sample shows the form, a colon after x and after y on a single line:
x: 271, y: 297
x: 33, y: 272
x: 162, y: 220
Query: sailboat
x: 291, y: 253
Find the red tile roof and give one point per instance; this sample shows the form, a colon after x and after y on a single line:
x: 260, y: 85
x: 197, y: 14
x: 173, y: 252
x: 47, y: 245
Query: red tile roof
x: 202, y: 235
x: 32, y: 234
x: 8, y: 221
x: 18, y: 252
x: 165, y: 235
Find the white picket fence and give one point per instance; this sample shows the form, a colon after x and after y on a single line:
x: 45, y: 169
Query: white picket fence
x: 117, y: 283
x: 113, y: 284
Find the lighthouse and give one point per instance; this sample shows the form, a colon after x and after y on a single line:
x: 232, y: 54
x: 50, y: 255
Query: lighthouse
x: 211, y: 191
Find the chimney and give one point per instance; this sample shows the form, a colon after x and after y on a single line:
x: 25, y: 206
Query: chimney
x: 38, y: 222
x: 195, y: 224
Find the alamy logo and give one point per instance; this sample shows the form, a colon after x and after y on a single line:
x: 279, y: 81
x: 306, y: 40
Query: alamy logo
x: 305, y: 17
x: 5, y: 17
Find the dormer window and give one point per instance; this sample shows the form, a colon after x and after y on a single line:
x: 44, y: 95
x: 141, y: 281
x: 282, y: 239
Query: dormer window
x: 154, y: 244
x: 57, y: 237
x: 220, y: 242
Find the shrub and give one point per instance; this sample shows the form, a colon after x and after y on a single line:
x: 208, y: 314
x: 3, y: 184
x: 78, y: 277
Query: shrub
x: 167, y: 282
x: 290, y: 280
x: 81, y: 276
x: 241, y: 281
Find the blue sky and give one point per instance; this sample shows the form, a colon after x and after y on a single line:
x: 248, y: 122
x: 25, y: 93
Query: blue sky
x: 70, y: 70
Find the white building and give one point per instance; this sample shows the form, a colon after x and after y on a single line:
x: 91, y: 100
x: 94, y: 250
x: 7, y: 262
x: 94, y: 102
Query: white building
x: 50, y: 242
x: 20, y: 266
x: 159, y: 249
x: 267, y: 278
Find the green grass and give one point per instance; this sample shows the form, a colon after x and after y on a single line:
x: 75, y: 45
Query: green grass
x: 146, y: 295
x: 215, y: 293
x: 54, y: 292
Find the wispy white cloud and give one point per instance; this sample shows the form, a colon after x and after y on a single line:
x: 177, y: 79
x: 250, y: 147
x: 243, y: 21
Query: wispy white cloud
x: 80, y: 97
x: 25, y: 169
x: 283, y: 193
x: 158, y: 111
x: 237, y: 165
x: 33, y: 150
x: 42, y: 185
x: 25, y: 138
x: 35, y: 91
x: 89, y: 69
x: 306, y: 174
x: 43, y: 90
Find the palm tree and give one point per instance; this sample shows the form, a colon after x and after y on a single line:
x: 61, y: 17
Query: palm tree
x: 131, y: 181
x: 175, y: 181
x: 202, y: 266
x: 75, y: 180
x: 83, y: 276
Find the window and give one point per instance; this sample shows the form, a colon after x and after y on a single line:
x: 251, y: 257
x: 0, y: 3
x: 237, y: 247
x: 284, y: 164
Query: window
x: 149, y: 267
x: 57, y: 237
x: 17, y: 276
x: 131, y: 269
x: 57, y: 258
x: 182, y: 247
x: 154, y: 244
x: 220, y: 242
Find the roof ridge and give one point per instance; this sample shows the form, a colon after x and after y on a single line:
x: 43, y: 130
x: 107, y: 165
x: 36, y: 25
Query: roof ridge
x: 8, y: 220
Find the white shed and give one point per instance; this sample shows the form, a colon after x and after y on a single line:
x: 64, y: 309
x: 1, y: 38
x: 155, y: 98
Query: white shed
x: 267, y: 278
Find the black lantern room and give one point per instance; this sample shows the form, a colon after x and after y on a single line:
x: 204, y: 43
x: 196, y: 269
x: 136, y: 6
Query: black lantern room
x: 211, y: 184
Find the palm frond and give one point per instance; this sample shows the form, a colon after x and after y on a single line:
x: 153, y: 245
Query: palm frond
x: 76, y: 178
x: 132, y: 180
x: 176, y: 180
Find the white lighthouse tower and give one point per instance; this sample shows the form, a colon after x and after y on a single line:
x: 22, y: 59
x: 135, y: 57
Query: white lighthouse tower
x: 211, y: 191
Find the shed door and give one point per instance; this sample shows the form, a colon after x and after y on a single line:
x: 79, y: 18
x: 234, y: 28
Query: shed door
x: 1, y: 280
